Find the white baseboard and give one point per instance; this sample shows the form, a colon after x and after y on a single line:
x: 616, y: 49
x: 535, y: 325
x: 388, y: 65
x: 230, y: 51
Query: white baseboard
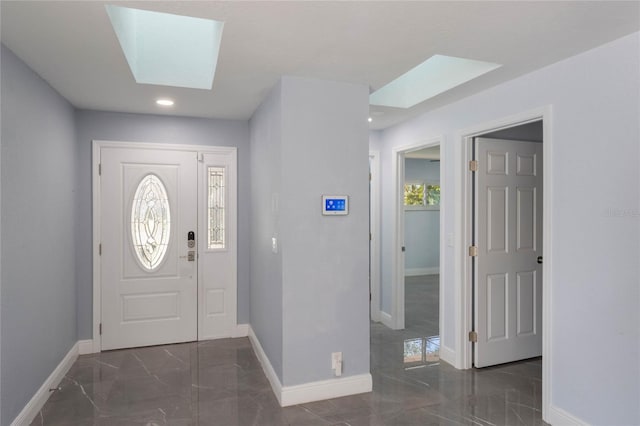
x: 242, y: 330
x: 559, y: 417
x: 447, y: 355
x: 86, y: 347
x: 375, y: 314
x: 386, y: 319
x: 33, y: 407
x: 309, y: 392
x: 276, y: 386
x: 412, y: 272
x: 326, y: 389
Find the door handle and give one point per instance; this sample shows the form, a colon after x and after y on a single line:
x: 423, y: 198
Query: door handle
x: 540, y: 260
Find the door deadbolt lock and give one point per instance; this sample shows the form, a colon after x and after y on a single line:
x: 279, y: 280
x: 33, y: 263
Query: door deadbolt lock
x: 191, y: 244
x: 191, y: 255
x: 540, y: 260
x: 191, y: 239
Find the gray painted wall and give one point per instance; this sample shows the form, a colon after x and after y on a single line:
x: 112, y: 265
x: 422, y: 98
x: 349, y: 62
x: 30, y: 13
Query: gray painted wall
x: 596, y: 244
x: 96, y: 125
x: 325, y: 259
x: 266, y: 266
x: 310, y: 138
x: 38, y: 228
x: 421, y: 227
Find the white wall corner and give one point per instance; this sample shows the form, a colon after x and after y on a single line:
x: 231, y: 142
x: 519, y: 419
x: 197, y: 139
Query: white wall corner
x: 448, y: 355
x: 375, y: 314
x: 558, y: 416
x: 33, y: 407
x: 276, y: 386
x: 326, y: 389
x: 309, y: 392
x: 242, y: 330
x: 87, y: 347
x: 386, y: 319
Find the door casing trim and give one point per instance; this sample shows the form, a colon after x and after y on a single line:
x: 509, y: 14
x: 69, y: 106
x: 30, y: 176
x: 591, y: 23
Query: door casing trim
x: 374, y: 229
x: 463, y: 216
x: 96, y: 237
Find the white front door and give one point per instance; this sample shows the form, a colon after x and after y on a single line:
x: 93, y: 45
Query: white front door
x: 149, y: 278
x: 508, y: 230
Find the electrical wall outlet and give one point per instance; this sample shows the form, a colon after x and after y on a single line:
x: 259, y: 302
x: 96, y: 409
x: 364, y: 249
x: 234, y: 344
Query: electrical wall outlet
x: 336, y: 363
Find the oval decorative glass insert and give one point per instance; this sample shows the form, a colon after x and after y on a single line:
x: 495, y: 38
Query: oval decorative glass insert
x: 150, y: 222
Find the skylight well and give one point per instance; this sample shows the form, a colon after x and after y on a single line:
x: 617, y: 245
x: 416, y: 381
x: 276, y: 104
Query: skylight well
x: 436, y: 75
x: 167, y: 49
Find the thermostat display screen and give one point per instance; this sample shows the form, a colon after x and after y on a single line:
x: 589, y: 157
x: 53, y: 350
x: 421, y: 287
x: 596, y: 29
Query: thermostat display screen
x: 335, y: 204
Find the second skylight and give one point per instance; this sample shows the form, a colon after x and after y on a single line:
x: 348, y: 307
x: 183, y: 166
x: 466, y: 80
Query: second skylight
x: 436, y: 75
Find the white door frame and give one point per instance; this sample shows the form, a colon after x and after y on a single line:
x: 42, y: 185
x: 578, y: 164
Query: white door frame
x: 396, y: 321
x: 374, y: 229
x: 97, y: 145
x: 463, y: 279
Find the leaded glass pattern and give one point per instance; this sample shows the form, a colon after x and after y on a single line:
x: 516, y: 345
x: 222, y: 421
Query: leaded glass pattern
x: 216, y: 207
x: 150, y: 222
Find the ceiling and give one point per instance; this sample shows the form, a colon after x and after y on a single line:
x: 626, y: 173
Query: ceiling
x: 71, y: 45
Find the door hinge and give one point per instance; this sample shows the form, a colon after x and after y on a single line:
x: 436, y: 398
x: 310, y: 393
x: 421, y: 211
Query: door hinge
x: 370, y: 237
x: 369, y: 177
x: 100, y: 329
x: 99, y: 169
x: 100, y: 249
x: 473, y: 337
x: 473, y: 251
x: 473, y: 165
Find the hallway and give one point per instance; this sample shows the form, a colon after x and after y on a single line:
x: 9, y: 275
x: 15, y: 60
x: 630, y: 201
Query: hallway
x: 221, y: 383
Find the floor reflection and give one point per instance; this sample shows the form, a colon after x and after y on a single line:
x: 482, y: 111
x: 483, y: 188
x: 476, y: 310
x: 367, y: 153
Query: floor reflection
x: 422, y: 350
x: 221, y: 383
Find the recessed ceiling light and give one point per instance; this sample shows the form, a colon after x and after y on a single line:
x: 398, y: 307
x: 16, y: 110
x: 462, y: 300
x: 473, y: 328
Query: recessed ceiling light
x: 167, y: 49
x: 164, y: 102
x: 370, y: 120
x: 436, y: 75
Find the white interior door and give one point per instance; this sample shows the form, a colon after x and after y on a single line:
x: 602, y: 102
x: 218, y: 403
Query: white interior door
x: 148, y: 207
x: 508, y: 280
x: 217, y: 246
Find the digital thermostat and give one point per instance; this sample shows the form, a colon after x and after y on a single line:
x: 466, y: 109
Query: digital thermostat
x: 335, y: 204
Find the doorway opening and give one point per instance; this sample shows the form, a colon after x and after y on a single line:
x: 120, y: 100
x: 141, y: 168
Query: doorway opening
x: 506, y: 202
x: 417, y: 270
x: 421, y: 249
x: 464, y: 271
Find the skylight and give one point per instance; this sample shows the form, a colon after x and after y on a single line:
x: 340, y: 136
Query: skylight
x: 167, y: 49
x: 436, y: 75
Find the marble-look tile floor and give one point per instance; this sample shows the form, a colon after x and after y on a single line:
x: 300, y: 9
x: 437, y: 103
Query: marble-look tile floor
x: 221, y: 383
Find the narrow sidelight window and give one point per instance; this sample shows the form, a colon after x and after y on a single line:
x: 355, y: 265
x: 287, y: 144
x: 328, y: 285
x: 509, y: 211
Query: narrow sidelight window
x: 216, y: 208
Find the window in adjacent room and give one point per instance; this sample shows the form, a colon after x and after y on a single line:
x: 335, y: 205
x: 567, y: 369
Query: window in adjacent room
x: 422, y: 195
